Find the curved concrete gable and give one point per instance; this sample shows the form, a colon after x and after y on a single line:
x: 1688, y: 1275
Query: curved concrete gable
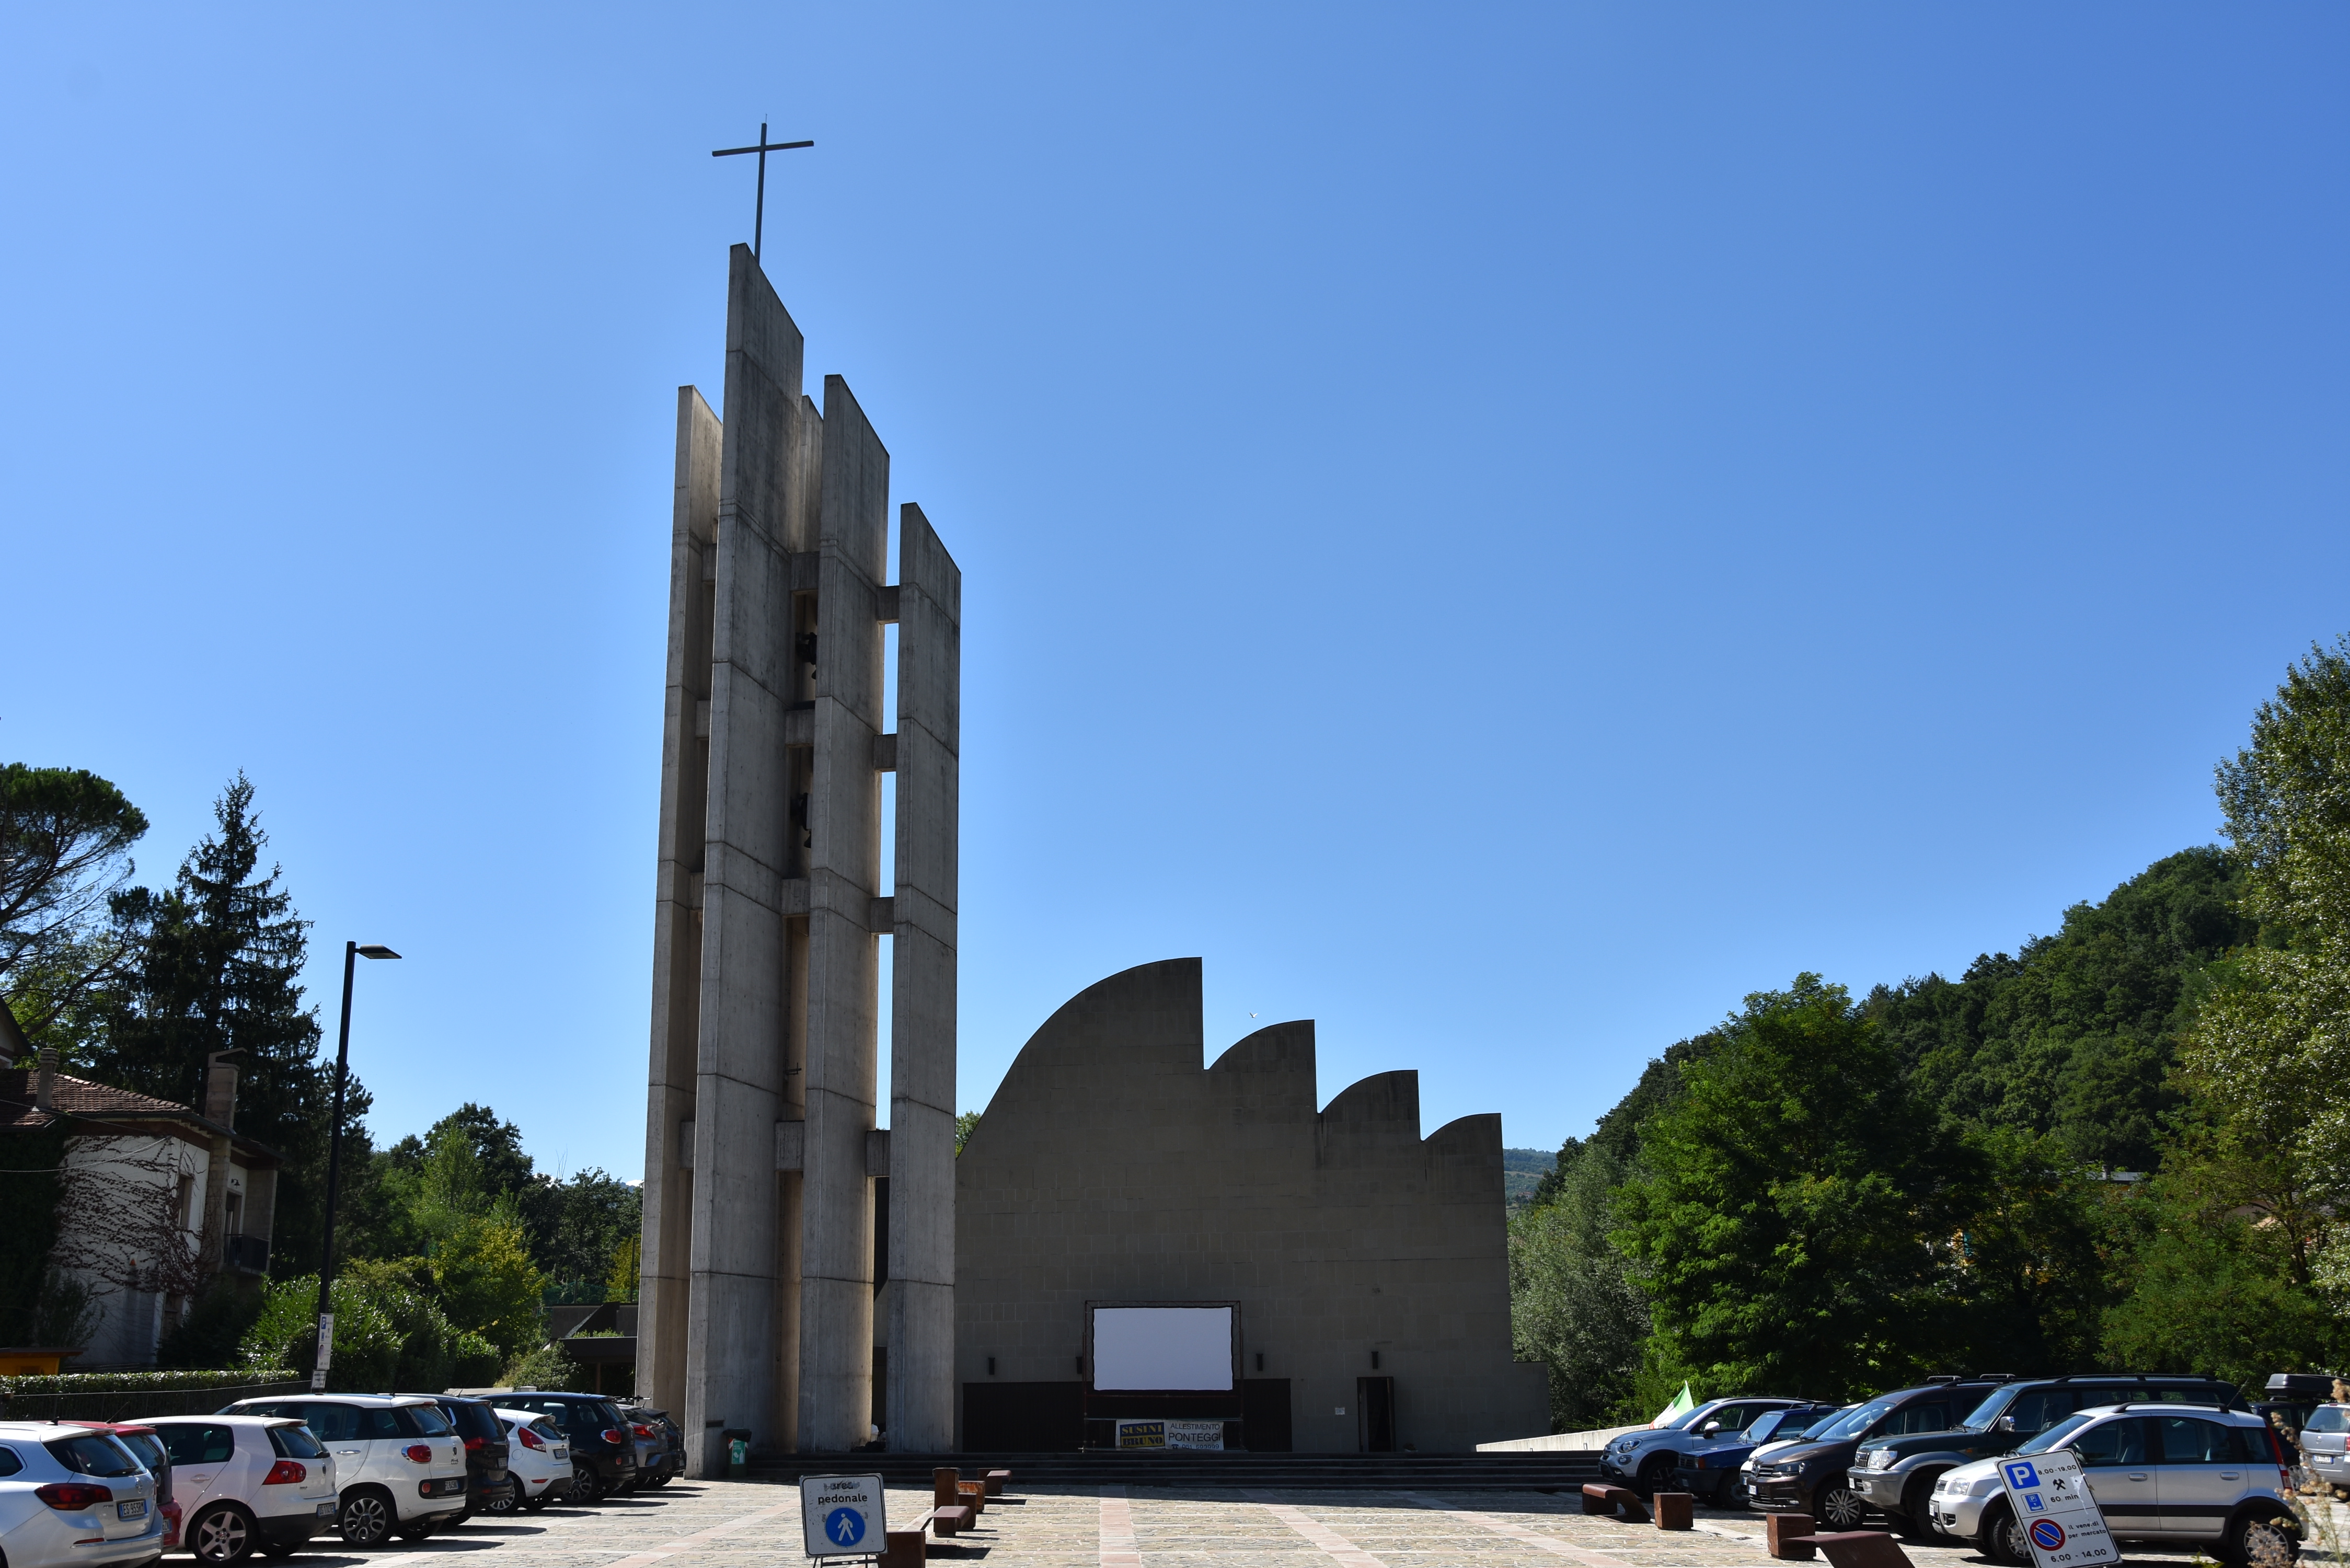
x: 1112, y: 1166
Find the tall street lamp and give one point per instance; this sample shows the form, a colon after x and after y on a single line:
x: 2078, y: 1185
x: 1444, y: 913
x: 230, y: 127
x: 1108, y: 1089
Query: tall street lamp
x: 351, y: 952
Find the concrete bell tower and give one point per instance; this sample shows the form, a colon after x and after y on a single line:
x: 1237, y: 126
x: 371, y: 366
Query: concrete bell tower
x: 762, y: 1156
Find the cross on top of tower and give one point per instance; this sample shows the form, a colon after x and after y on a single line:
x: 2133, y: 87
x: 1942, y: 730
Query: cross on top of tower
x: 759, y: 213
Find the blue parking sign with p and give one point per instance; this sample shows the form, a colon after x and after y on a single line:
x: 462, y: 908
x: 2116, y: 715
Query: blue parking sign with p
x: 2020, y: 1474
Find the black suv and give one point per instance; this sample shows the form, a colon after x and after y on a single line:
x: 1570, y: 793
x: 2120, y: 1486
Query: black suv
x: 1896, y: 1473
x: 489, y: 1486
x: 1811, y: 1478
x: 603, y: 1450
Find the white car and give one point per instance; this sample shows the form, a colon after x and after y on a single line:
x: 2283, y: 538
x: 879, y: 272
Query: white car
x: 398, y: 1464
x: 246, y: 1483
x: 2192, y: 1477
x: 70, y: 1495
x: 538, y: 1455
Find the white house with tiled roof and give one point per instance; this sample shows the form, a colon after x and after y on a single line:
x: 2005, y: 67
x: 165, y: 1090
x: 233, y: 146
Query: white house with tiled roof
x: 159, y: 1200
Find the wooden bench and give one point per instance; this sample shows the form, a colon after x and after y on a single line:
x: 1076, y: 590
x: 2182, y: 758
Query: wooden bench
x: 1857, y: 1549
x: 904, y: 1549
x: 1621, y: 1501
x: 943, y: 1482
x: 1674, y: 1510
x: 996, y: 1481
x: 946, y: 1520
x: 1782, y: 1531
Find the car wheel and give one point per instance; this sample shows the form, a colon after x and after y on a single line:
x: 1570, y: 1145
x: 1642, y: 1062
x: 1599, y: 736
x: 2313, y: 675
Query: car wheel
x: 1837, y: 1506
x: 587, y: 1487
x: 503, y: 1502
x: 1918, y: 1510
x: 2261, y: 1543
x: 1656, y: 1475
x: 2001, y: 1539
x: 223, y: 1535
x: 365, y: 1519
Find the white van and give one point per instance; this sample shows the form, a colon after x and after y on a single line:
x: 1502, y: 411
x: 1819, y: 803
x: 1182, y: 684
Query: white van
x: 398, y: 1464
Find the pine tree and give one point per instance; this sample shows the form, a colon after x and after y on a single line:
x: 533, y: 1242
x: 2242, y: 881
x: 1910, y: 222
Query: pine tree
x: 215, y: 966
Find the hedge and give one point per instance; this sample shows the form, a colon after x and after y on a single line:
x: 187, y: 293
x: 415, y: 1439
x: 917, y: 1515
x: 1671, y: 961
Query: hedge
x: 128, y: 1396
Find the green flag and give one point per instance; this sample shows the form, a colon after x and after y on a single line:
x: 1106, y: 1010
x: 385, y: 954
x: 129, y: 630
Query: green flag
x: 1683, y: 1402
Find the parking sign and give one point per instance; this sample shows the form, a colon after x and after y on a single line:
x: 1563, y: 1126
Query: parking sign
x: 2059, y: 1517
x: 840, y: 1516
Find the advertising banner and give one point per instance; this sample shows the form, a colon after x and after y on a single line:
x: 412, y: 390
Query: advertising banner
x: 1170, y: 1434
x: 840, y: 1516
x: 2059, y: 1517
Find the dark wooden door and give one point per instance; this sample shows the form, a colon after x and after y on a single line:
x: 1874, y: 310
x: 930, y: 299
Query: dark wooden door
x: 1375, y: 1426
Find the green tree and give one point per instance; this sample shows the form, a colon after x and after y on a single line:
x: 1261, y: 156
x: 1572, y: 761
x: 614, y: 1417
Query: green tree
x: 1573, y: 1305
x: 215, y: 965
x: 2230, y: 1260
x: 488, y: 1282
x: 1788, y: 1219
x: 65, y: 841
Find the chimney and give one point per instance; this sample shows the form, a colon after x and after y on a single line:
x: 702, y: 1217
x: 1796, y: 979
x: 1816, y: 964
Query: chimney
x: 45, y: 1079
x: 220, y: 1091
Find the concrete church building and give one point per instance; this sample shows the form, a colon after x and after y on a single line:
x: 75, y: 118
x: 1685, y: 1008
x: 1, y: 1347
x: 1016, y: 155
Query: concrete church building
x: 808, y: 1278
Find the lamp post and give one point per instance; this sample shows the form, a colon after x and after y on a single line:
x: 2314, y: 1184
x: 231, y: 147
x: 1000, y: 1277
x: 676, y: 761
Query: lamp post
x: 352, y: 951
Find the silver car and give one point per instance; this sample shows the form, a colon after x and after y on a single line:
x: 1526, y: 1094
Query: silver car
x: 2197, y: 1477
x: 2322, y: 1442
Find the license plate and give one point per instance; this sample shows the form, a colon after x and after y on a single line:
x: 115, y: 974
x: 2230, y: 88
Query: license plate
x: 326, y: 1511
x: 136, y: 1508
x: 560, y: 1452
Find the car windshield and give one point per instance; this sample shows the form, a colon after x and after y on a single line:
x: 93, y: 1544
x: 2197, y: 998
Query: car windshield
x: 293, y: 1441
x: 1979, y: 1419
x: 2054, y: 1437
x: 94, y: 1455
x: 2329, y: 1418
x: 1858, y: 1421
x: 1821, y: 1428
x: 1765, y: 1423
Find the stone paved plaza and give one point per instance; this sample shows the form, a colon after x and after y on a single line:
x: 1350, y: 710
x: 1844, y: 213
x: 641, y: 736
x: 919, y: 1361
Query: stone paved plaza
x: 748, y: 1524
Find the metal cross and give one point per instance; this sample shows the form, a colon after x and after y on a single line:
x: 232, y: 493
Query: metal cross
x: 759, y: 219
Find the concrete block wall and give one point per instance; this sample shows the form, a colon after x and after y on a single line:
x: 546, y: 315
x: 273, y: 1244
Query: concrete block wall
x: 1112, y: 1165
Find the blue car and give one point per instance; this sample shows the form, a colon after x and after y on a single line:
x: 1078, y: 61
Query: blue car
x: 1708, y: 1469
x: 1645, y: 1461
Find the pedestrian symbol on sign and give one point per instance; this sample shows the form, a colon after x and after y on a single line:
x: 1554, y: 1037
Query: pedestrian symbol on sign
x: 846, y: 1526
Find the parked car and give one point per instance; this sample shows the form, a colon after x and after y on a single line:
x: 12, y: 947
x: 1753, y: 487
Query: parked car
x: 1645, y: 1461
x: 2324, y: 1438
x: 603, y: 1450
x: 2193, y: 1477
x: 1745, y: 1492
x: 540, y: 1458
x: 397, y: 1465
x: 148, y: 1450
x: 69, y: 1496
x: 1895, y: 1474
x: 1812, y: 1476
x: 247, y: 1483
x: 2288, y: 1402
x: 488, y: 1488
x: 1709, y: 1468
x: 661, y: 1448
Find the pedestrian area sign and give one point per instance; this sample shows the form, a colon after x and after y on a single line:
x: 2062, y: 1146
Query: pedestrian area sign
x: 2059, y: 1517
x: 840, y: 1516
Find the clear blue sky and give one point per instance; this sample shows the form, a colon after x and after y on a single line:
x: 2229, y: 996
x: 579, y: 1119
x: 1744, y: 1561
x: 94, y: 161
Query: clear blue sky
x: 1502, y: 529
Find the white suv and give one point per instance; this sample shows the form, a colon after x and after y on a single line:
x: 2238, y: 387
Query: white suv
x: 245, y: 1482
x: 397, y: 1465
x: 2195, y: 1476
x: 68, y: 1495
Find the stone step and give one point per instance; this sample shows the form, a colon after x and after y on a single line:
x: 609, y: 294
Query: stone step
x: 1547, y: 1470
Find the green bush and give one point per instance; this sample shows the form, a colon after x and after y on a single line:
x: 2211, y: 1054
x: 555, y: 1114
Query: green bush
x: 112, y: 1382
x: 546, y: 1366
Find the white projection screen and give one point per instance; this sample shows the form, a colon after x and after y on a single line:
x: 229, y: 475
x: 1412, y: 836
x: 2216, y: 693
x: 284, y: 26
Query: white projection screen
x: 1163, y: 1347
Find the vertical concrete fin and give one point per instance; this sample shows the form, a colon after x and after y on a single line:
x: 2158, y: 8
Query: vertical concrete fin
x: 731, y: 1328
x: 844, y: 861
x: 677, y: 946
x: 921, y: 1393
